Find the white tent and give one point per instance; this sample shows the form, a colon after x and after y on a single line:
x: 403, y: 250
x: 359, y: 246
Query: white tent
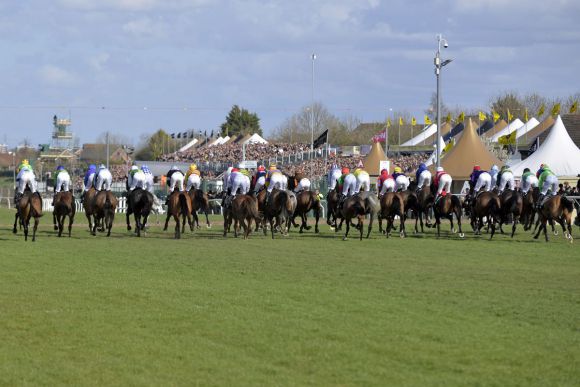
x: 217, y: 141
x: 188, y: 145
x: 558, y: 151
x: 514, y: 125
x: 425, y: 134
x: 433, y: 158
x: 255, y: 139
x: 531, y: 124
x: 221, y: 140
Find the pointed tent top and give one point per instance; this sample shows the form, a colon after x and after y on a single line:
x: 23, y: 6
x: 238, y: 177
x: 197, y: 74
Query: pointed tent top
x: 372, y: 161
x: 558, y: 151
x: 468, y: 151
x: 500, y: 125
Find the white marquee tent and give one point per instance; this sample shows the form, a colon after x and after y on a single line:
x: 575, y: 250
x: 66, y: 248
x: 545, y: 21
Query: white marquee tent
x: 531, y: 124
x: 514, y: 125
x: 558, y: 151
x: 188, y: 145
x: 425, y: 134
x: 433, y: 158
x: 255, y: 139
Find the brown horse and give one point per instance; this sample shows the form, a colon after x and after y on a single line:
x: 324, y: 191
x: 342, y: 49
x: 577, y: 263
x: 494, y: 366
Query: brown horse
x: 488, y: 205
x: 139, y: 202
x: 557, y: 208
x: 179, y: 208
x: 244, y: 209
x: 276, y: 211
x: 104, y: 207
x: 529, y: 207
x: 353, y: 207
x: 307, y: 201
x: 199, y: 202
x: 29, y: 206
x: 392, y: 205
x: 411, y: 202
x: 425, y: 199
x: 512, y: 203
x: 332, y: 200
x: 446, y: 207
x: 88, y: 201
x: 64, y: 205
x: 372, y: 208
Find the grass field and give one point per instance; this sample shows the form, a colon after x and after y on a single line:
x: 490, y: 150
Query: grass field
x: 302, y: 310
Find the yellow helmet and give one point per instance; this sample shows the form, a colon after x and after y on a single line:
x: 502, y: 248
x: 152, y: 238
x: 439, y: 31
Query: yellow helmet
x: 25, y: 162
x: 398, y: 170
x: 192, y: 167
x: 272, y: 167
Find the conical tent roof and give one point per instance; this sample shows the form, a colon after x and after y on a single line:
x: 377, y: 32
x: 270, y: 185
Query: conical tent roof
x: 468, y: 152
x: 531, y: 124
x: 373, y: 159
x: 514, y: 125
x: 558, y: 151
x: 539, y: 129
x: 500, y: 125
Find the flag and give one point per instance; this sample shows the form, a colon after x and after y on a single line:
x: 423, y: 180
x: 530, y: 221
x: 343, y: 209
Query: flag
x: 448, y: 118
x: 184, y: 135
x: 496, y: 116
x: 461, y: 117
x: 190, y: 134
x: 379, y: 137
x: 482, y: 116
x: 448, y: 147
x: 555, y: 110
x: 321, y: 139
x: 211, y: 134
x: 574, y: 107
x: 413, y: 121
x: 541, y: 110
x: 526, y: 118
x: 205, y: 134
x: 179, y: 135
x: 510, y: 116
x: 508, y: 139
x: 172, y: 135
x: 534, y: 146
x: 388, y: 123
x: 401, y: 121
x: 428, y: 120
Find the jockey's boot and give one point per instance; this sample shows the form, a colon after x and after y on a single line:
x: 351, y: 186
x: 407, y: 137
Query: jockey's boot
x: 53, y: 199
x: 341, y: 201
x: 540, y: 201
x: 17, y: 196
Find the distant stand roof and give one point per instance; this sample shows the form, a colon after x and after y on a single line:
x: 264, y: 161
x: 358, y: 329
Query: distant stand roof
x: 558, y: 151
x: 454, y: 132
x: 373, y: 159
x: 572, y: 123
x: 531, y: 124
x: 485, y: 126
x: 433, y: 158
x: 188, y: 145
x: 445, y: 128
x: 538, y: 130
x: 501, y: 124
x: 514, y: 125
x: 425, y: 134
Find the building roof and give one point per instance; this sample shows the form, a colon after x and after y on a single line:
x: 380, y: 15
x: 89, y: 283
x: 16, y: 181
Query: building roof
x: 500, y: 125
x: 538, y: 130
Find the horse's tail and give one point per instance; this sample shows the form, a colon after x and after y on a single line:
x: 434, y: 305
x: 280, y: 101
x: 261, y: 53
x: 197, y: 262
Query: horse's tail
x: 108, y: 206
x: 493, y: 208
x: 252, y: 209
x: 397, y: 204
x: 457, y: 205
x: 567, y: 204
x: 183, y: 205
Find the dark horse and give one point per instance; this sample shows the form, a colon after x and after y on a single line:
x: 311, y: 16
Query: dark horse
x: 529, y: 207
x: 411, y: 202
x: 425, y: 199
x: 352, y: 208
x: 88, y: 201
x: 332, y: 199
x: 179, y: 208
x: 139, y: 203
x: 104, y: 206
x: 64, y: 205
x: 29, y: 206
x: 199, y: 202
x: 557, y: 208
x: 512, y: 204
x: 244, y: 209
x: 446, y: 207
x: 372, y: 208
x: 276, y: 211
x: 307, y: 201
x: 392, y: 205
x: 488, y: 205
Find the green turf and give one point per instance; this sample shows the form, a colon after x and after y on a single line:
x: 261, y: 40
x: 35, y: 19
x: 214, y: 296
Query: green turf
x: 302, y: 310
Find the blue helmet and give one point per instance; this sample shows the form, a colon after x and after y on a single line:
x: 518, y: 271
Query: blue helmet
x: 92, y: 166
x: 145, y: 169
x: 423, y: 166
x: 60, y: 168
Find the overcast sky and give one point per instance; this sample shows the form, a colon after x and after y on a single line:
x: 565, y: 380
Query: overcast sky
x: 182, y: 64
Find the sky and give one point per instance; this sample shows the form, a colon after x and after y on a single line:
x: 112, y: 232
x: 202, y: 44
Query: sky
x: 133, y: 66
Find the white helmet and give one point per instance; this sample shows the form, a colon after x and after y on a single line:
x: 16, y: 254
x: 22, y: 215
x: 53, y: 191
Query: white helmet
x: 440, y: 169
x: 134, y: 168
x: 102, y: 166
x: 494, y: 168
x: 174, y: 167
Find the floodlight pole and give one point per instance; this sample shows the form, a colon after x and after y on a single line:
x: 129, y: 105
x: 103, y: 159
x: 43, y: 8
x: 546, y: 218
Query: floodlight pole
x: 313, y: 57
x: 438, y: 66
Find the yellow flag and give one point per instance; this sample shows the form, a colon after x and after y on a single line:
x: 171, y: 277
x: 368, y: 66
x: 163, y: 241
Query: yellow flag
x: 482, y: 116
x: 541, y: 110
x: 555, y: 110
x: 448, y: 118
x: 496, y: 116
x: 413, y: 121
x: 574, y: 107
x: 461, y: 117
x: 401, y: 121
x: 510, y: 116
x: 508, y: 139
x: 388, y: 122
x: 448, y: 146
x: 526, y: 116
x: 428, y: 120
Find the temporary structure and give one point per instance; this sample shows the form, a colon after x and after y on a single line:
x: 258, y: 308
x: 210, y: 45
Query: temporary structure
x: 433, y: 158
x: 501, y: 124
x: 445, y: 128
x: 418, y: 139
x: 188, y: 145
x: 255, y: 139
x: 373, y: 160
x: 531, y: 124
x: 457, y: 129
x: 539, y: 129
x: 468, y: 152
x: 514, y: 125
x: 558, y: 151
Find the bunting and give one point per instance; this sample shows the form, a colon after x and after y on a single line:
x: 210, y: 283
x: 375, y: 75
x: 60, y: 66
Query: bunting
x: 555, y: 110
x: 428, y: 120
x: 482, y: 116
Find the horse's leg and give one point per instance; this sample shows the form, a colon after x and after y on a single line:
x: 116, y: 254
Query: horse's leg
x: 70, y: 223
x: 272, y: 226
x: 361, y: 226
x: 339, y: 227
x: 491, y: 222
x: 127, y: 215
x: 347, y: 229
x: 402, y: 232
x: 59, y: 223
x: 450, y: 217
x: 54, y: 221
x: 438, y: 223
x: 138, y: 223
x: 236, y: 227
x: 516, y: 218
x: 15, y: 220
x: 167, y: 220
x: 458, y: 216
x: 370, y: 227
x: 36, y: 220
x: 177, y: 234
x: 207, y: 218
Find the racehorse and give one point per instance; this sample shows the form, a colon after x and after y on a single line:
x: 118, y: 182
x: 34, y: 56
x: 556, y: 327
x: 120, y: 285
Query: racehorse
x: 199, y: 201
x: 244, y: 209
x: 88, y: 201
x: 529, y: 207
x: 140, y: 203
x: 179, y: 207
x: 425, y: 199
x: 512, y: 203
x: 332, y: 199
x: 64, y: 205
x: 372, y: 208
x: 392, y: 205
x: 446, y: 207
x: 104, y: 206
x: 29, y: 206
x: 307, y: 201
x: 557, y: 208
x: 411, y: 202
x: 488, y: 205
x: 276, y: 211
x: 353, y: 207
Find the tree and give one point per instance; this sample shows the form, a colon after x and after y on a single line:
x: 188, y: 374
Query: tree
x: 508, y: 100
x: 240, y: 121
x: 114, y: 139
x: 155, y: 146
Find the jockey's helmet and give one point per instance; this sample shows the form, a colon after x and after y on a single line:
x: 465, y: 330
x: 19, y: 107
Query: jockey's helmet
x: 505, y: 167
x: 134, y: 167
x: 398, y: 170
x: 92, y: 166
x: 476, y: 168
x: 60, y: 168
x: 345, y: 171
x: 423, y: 166
x: 335, y: 166
x: 384, y: 171
x: 261, y: 168
x: 273, y: 167
x: 174, y: 168
x: 102, y: 166
x: 526, y: 170
x: 145, y: 169
x: 494, y: 168
x: 25, y: 162
x: 440, y: 169
x: 192, y: 167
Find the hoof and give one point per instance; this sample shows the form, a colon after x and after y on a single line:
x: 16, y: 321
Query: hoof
x: 461, y: 235
x: 344, y: 238
x: 556, y: 232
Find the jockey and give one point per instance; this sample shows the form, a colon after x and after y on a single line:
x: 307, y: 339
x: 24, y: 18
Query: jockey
x: 540, y: 170
x: 548, y: 182
x: 260, y: 178
x: 275, y: 179
x: 303, y: 182
x: 89, y: 179
x: 401, y: 180
x: 506, y: 177
x: 226, y: 180
x: 478, y: 180
x: 443, y: 183
x: 175, y: 178
x: 136, y: 178
x: 348, y: 183
x: 193, y: 177
x: 237, y: 181
x: 62, y: 180
x: 422, y: 176
x: 363, y: 180
x: 529, y: 180
x: 25, y: 178
x: 104, y: 178
x: 493, y: 172
x: 385, y: 183
x: 247, y: 175
x: 148, y: 178
x: 333, y: 175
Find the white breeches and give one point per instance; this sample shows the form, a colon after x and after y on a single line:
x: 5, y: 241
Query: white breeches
x: 26, y: 178
x: 530, y: 182
x: 104, y: 180
x: 226, y: 180
x: 246, y: 186
x: 349, y: 185
x: 333, y: 177
x: 551, y: 183
x: 444, y: 184
x: 493, y: 180
x: 401, y: 183
x: 303, y: 185
x: 62, y: 182
x: 237, y: 181
x: 277, y: 181
x: 90, y: 182
x: 507, y: 178
x: 483, y: 181
x: 388, y: 186
x: 138, y: 181
x: 363, y: 182
x: 260, y: 183
x: 176, y: 180
x: 424, y: 179
x: 193, y: 181
x: 149, y: 182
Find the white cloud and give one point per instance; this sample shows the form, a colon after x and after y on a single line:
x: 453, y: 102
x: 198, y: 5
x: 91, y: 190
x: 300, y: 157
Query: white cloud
x: 57, y: 76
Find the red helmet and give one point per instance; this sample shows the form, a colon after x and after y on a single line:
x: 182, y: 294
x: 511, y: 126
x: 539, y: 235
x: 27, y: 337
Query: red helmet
x: 384, y: 171
x: 345, y: 170
x: 477, y: 168
x: 235, y: 170
x: 261, y: 168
